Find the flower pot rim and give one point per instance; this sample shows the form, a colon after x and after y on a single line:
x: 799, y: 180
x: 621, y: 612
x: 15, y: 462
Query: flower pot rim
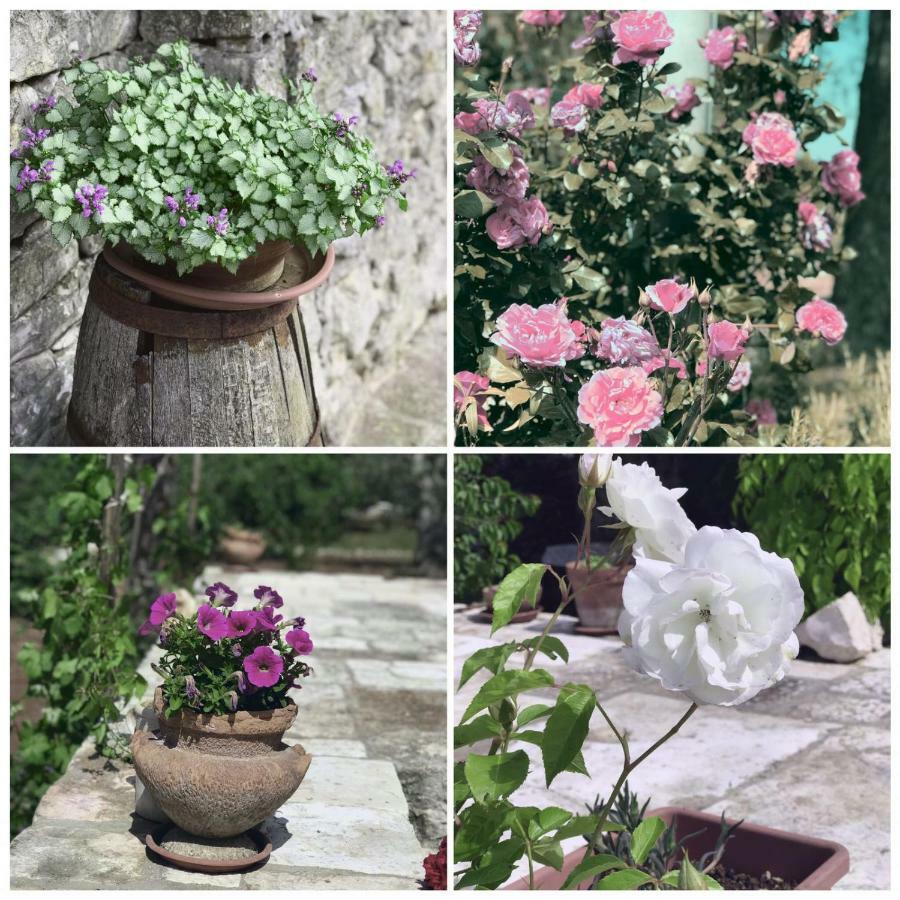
x: 243, y: 723
x: 206, y: 298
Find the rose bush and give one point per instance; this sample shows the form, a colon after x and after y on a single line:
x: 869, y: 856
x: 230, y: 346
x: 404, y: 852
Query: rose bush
x: 679, y: 251
x: 707, y: 613
x: 187, y: 168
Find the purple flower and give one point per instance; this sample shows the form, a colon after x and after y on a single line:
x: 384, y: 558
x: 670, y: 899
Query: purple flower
x: 268, y: 597
x: 299, y: 622
x: 161, y: 608
x: 147, y: 628
x: 211, y: 622
x: 263, y: 667
x: 241, y: 623
x: 236, y: 648
x: 398, y: 176
x: 233, y: 700
x: 191, y: 200
x: 310, y: 75
x: 266, y: 620
x: 190, y: 688
x: 182, y: 221
x: 91, y: 197
x: 42, y: 107
x: 221, y: 595
x: 300, y: 641
x: 30, y: 140
x: 379, y: 221
x: 241, y: 682
x: 344, y: 125
x: 172, y: 203
x: 220, y: 222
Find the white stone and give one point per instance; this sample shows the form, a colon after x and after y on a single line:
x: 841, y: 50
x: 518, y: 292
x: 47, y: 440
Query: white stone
x: 145, y: 804
x: 840, y: 631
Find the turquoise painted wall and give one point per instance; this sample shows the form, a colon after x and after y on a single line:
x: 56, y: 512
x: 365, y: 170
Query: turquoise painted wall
x: 843, y: 61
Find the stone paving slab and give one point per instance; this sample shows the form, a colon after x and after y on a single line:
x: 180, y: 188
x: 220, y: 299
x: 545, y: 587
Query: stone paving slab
x: 373, y: 715
x: 811, y: 754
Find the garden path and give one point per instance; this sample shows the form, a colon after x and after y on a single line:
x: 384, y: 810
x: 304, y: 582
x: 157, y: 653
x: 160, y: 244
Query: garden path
x: 810, y: 755
x: 373, y: 716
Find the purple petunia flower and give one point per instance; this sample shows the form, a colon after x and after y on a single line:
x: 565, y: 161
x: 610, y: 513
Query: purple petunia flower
x: 211, y: 622
x: 190, y: 688
x: 300, y: 641
x: 268, y: 597
x: 299, y: 622
x: 263, y: 667
x: 161, y: 608
x: 266, y: 620
x: 221, y: 595
x: 236, y: 649
x: 241, y: 680
x: 241, y: 623
x: 233, y: 700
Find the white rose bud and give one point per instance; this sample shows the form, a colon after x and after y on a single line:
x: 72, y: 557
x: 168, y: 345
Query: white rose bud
x: 593, y: 469
x: 719, y: 625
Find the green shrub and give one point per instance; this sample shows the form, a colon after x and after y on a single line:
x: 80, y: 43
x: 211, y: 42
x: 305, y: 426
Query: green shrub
x: 487, y: 515
x: 830, y: 515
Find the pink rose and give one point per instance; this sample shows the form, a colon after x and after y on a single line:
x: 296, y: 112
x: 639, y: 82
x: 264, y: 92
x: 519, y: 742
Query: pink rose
x: 719, y: 46
x: 515, y: 224
x: 466, y: 50
x: 570, y: 115
x: 543, y: 18
x: 625, y: 343
x: 589, y: 95
x: 780, y: 98
x: 669, y: 296
x: 501, y: 186
x: 763, y: 411
x: 841, y: 178
x: 596, y: 28
x: 772, y: 139
x: 619, y: 404
x: 640, y: 37
x: 674, y: 363
x: 470, y: 384
x: 467, y: 20
x: 740, y: 377
x: 514, y: 116
x: 541, y: 336
x: 822, y: 319
x: 533, y: 95
x: 726, y: 341
x: 815, y: 228
x: 800, y: 45
x: 685, y: 99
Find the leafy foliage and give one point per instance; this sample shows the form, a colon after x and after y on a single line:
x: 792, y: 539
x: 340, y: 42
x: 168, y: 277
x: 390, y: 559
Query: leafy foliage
x: 840, y: 540
x: 636, y: 196
x: 487, y: 517
x: 162, y: 129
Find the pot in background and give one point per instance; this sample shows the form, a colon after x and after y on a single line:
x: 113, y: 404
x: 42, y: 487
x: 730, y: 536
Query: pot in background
x: 526, y: 612
x: 598, y: 596
x: 240, y: 546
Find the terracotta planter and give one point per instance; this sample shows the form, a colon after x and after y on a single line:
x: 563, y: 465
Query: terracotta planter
x: 525, y: 614
x: 217, y: 776
x: 279, y: 272
x: 598, y: 596
x: 240, y: 546
x: 255, y: 273
x: 812, y: 863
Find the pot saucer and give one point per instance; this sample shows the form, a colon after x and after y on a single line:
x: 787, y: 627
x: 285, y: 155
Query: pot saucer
x: 594, y: 631
x: 302, y: 274
x: 524, y: 615
x: 210, y: 866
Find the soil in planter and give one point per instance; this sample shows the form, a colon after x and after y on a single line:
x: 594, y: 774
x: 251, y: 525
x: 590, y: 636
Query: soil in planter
x: 184, y: 844
x: 732, y: 880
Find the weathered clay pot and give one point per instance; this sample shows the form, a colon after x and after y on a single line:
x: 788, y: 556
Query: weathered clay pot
x: 255, y: 273
x: 598, y: 595
x: 241, y: 547
x: 525, y: 614
x: 217, y: 776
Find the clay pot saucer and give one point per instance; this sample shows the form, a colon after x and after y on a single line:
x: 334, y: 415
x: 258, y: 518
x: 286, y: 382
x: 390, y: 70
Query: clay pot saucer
x: 523, y: 615
x: 302, y: 274
x: 211, y: 866
x: 593, y: 631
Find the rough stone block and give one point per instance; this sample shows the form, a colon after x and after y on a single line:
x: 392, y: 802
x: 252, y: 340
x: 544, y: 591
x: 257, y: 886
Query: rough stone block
x: 159, y: 26
x: 37, y: 263
x: 44, y: 40
x: 841, y: 631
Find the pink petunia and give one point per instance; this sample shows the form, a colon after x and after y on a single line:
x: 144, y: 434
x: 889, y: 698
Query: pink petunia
x: 161, y: 608
x: 241, y: 623
x: 299, y: 641
x: 263, y: 667
x: 212, y: 623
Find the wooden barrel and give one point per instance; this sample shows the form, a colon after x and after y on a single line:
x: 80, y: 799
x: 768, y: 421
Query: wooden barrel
x: 150, y: 373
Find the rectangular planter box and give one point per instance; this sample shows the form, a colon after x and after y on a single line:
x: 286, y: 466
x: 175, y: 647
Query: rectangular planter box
x: 813, y: 863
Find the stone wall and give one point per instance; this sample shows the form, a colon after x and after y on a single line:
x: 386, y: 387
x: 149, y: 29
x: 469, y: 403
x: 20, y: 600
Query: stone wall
x: 386, y: 67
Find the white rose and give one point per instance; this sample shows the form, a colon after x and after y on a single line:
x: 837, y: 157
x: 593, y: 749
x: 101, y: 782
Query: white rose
x: 637, y: 496
x: 720, y: 625
x: 594, y: 468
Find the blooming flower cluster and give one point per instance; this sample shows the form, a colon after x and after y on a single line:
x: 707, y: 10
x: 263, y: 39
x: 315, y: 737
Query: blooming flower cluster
x: 841, y: 178
x: 44, y: 105
x: 543, y: 18
x: 219, y: 223
x: 815, y: 228
x: 222, y: 659
x: 539, y: 336
x: 91, y: 197
x: 640, y: 37
x: 30, y: 140
x: 685, y: 98
x: 772, y: 140
x: 720, y: 44
x: 28, y: 176
x: 343, y: 124
x: 398, y: 174
x: 466, y: 23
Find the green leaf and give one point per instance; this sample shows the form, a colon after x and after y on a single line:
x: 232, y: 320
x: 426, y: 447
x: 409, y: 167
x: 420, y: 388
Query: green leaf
x: 566, y: 728
x: 262, y: 194
x: 491, y: 658
x: 549, y: 853
x: 493, y: 777
x: 589, y: 867
x: 689, y: 877
x: 61, y: 213
x: 530, y: 713
x: 645, y: 837
x: 61, y: 232
x: 506, y: 684
x: 480, y: 729
x: 581, y: 825
x: 549, y: 646
x: 117, y: 133
x: 519, y: 586
x: 244, y: 187
x: 472, y: 204
x: 671, y: 879
x: 626, y: 880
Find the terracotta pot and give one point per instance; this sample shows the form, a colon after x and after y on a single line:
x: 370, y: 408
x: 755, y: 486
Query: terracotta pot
x: 812, y: 863
x: 255, y: 273
x: 241, y: 547
x: 526, y: 611
x: 598, y: 596
x: 217, y: 776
